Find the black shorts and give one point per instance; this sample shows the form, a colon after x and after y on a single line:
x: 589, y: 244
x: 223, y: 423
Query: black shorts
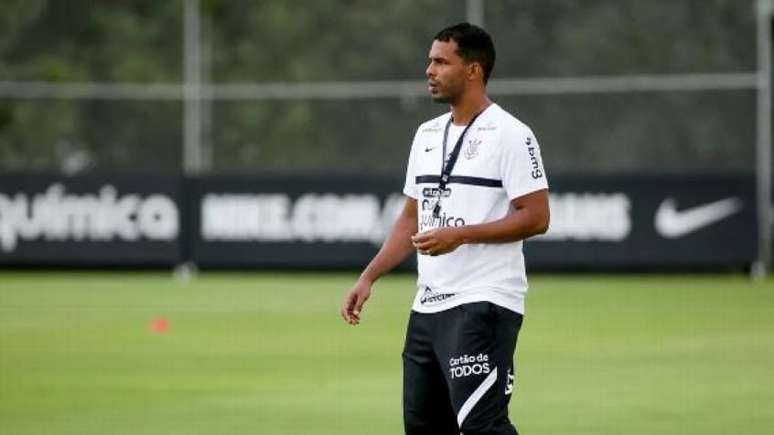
x: 458, y: 370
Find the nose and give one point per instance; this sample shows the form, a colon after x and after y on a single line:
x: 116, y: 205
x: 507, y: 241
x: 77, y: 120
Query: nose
x: 429, y: 71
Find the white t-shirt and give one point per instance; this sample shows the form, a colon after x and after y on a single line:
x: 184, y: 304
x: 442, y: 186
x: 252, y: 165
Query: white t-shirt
x: 499, y: 160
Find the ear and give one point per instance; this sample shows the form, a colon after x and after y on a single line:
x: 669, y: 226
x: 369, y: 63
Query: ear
x: 475, y: 71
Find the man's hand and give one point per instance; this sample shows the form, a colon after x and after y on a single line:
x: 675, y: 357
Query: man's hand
x: 395, y: 249
x: 354, y: 300
x: 437, y: 241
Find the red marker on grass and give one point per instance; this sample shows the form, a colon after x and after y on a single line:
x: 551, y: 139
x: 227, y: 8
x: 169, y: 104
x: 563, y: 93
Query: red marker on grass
x: 159, y: 326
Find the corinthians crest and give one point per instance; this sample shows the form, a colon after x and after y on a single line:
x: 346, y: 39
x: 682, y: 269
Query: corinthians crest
x: 471, y: 150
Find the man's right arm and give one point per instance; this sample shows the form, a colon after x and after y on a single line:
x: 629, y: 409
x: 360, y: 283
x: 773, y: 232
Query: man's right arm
x: 396, y: 248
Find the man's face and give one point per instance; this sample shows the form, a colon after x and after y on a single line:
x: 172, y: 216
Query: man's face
x: 446, y: 74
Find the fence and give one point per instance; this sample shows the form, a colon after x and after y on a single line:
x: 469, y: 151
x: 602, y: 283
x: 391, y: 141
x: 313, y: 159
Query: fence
x: 678, y: 118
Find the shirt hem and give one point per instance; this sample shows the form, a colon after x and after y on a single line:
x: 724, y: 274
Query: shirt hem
x: 502, y: 301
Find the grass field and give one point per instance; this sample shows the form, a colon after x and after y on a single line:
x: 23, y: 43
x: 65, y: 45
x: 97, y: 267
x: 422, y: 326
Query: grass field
x: 267, y: 354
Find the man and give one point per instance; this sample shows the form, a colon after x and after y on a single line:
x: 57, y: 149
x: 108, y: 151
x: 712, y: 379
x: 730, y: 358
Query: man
x: 476, y: 188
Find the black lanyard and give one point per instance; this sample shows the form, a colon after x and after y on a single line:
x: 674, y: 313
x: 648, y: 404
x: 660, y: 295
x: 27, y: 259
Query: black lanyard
x: 447, y: 166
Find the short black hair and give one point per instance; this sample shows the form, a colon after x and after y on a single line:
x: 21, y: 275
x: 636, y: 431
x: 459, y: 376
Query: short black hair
x: 473, y: 45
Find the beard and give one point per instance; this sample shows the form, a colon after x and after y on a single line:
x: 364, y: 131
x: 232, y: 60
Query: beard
x: 448, y: 95
x: 442, y: 99
x: 445, y: 98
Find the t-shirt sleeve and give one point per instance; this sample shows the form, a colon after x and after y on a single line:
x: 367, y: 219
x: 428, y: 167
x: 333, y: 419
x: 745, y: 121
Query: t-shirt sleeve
x: 521, y: 164
x: 410, y: 186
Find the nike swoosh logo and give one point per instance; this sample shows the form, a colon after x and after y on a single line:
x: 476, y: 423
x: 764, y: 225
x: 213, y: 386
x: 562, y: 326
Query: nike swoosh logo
x: 672, y: 224
x: 429, y: 149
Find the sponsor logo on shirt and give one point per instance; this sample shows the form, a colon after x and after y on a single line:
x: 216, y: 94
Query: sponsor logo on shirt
x: 488, y: 127
x: 468, y: 365
x: 435, y: 128
x: 430, y: 296
x: 434, y: 192
x: 442, y: 220
x: 533, y: 159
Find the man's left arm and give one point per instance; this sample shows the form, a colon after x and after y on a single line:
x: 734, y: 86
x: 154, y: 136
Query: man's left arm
x: 530, y: 216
